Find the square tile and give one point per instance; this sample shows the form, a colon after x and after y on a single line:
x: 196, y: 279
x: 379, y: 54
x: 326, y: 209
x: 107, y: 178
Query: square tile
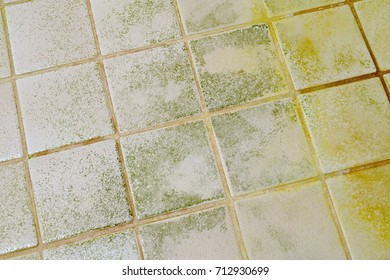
x: 152, y: 87
x: 362, y: 201
x: 204, y: 15
x: 17, y: 229
x: 79, y: 190
x: 238, y: 67
x: 171, y: 169
x: 349, y: 124
x: 5, y: 70
x: 117, y: 246
x: 286, y: 7
x: 10, y: 141
x: 263, y: 147
x: 127, y: 24
x: 59, y: 107
x: 323, y: 47
x: 374, y: 16
x: 46, y: 33
x: 200, y: 236
x: 290, y: 224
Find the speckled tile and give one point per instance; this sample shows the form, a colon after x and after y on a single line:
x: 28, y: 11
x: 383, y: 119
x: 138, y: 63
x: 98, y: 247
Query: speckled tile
x: 238, y: 67
x: 128, y: 24
x: 205, y: 235
x: 152, y: 87
x: 287, y: 7
x: 387, y: 80
x: 17, y: 229
x: 46, y: 33
x: 79, y: 190
x: 118, y: 246
x: 29, y: 257
x: 60, y: 107
x: 374, y: 16
x: 5, y: 70
x: 290, y: 224
x: 263, y: 147
x: 171, y: 169
x: 349, y: 124
x: 323, y: 47
x: 362, y: 201
x: 10, y: 141
x: 204, y: 15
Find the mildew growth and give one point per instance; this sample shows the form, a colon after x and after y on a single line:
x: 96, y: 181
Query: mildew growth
x: 171, y: 169
x: 237, y: 67
x: 263, y: 147
x: 205, y: 235
x: 285, y: 7
x: 362, y: 201
x: 349, y: 124
x: 152, y: 87
x: 323, y: 47
x: 5, y: 70
x: 127, y: 24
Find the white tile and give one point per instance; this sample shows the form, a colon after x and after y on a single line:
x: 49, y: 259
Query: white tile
x: 5, y: 70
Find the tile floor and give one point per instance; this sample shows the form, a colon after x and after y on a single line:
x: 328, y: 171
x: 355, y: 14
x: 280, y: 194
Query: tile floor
x: 194, y: 129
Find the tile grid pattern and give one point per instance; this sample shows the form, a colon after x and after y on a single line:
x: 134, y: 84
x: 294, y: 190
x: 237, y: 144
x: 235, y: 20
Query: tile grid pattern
x: 205, y: 117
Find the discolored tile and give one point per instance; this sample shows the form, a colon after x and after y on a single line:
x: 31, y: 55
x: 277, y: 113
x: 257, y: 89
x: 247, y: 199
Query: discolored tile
x: 17, y: 229
x: 387, y: 80
x: 323, y: 47
x: 362, y: 201
x: 200, y: 236
x: 5, y: 70
x: 238, y: 67
x: 59, y: 107
x: 46, y: 33
x: 118, y: 246
x: 349, y: 124
x: 171, y: 169
x: 286, y: 7
x: 79, y: 190
x: 128, y: 24
x: 290, y: 224
x: 152, y: 87
x: 263, y: 147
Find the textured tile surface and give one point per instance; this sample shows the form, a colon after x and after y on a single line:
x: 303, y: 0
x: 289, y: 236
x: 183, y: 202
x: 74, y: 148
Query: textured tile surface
x: 204, y: 15
x: 118, y: 246
x: 30, y: 257
x: 237, y: 67
x: 349, y: 124
x: 362, y: 200
x: 17, y: 229
x: 60, y: 107
x: 205, y: 235
x: 46, y: 33
x: 79, y: 190
x: 263, y: 147
x: 323, y: 47
x: 285, y: 7
x: 171, y: 168
x: 127, y: 24
x: 5, y: 70
x: 374, y: 16
x: 293, y: 224
x: 10, y: 141
x: 152, y: 87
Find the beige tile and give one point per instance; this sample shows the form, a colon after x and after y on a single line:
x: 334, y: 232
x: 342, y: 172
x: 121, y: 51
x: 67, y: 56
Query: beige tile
x: 286, y: 7
x: 387, y: 80
x: 5, y: 70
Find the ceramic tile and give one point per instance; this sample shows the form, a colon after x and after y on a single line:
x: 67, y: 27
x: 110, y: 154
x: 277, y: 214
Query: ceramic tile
x: 290, y: 224
x: 10, y: 141
x: 362, y: 202
x: 17, y: 229
x: 323, y: 47
x: 128, y: 24
x: 238, y: 67
x: 286, y: 7
x: 5, y: 70
x: 152, y: 87
x: 374, y: 16
x: 118, y: 246
x: 349, y: 124
x: 205, y: 235
x: 79, y: 190
x: 59, y: 107
x: 171, y: 169
x: 263, y: 147
x: 46, y: 33
x: 30, y: 257
x: 387, y: 80
x: 204, y: 15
